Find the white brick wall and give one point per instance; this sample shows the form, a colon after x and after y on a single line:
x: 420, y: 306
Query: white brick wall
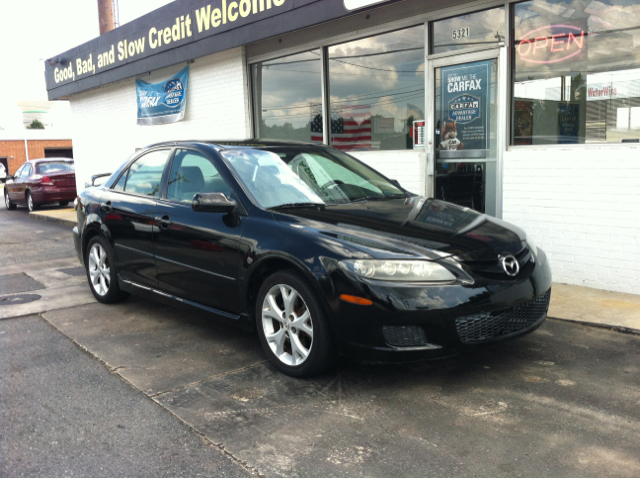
x: 104, y: 120
x: 582, y: 206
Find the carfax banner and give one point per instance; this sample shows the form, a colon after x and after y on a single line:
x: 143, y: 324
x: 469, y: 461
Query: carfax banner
x: 465, y: 94
x: 164, y: 102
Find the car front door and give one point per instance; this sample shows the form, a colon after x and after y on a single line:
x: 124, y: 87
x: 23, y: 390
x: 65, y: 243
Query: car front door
x: 198, y: 254
x: 12, y: 185
x: 18, y: 190
x: 128, y: 210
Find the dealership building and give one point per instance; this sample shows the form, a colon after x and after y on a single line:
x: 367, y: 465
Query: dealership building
x: 528, y: 111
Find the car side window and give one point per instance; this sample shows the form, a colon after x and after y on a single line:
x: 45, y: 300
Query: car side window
x: 193, y: 173
x: 18, y: 172
x: 26, y: 171
x: 144, y: 176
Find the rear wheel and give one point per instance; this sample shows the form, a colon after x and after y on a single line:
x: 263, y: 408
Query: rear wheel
x: 292, y: 326
x: 102, y: 271
x: 7, y: 202
x: 30, y: 203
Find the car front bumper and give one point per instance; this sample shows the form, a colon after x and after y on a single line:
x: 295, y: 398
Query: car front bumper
x: 411, y: 322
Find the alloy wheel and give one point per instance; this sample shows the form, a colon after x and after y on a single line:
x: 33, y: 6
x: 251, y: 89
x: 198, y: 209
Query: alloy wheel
x: 287, y: 325
x: 7, y: 202
x: 99, y: 269
x: 30, y: 202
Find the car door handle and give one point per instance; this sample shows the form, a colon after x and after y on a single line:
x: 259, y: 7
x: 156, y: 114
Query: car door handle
x: 163, y: 221
x: 106, y: 206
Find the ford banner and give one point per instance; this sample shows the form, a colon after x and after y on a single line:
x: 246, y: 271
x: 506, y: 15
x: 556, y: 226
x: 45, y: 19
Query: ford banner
x: 164, y: 102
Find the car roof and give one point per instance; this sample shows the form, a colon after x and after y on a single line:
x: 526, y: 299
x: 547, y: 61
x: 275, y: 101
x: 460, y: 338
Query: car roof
x: 232, y: 144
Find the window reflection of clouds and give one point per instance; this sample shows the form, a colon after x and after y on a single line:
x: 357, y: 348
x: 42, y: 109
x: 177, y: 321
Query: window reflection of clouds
x: 602, y: 82
x: 484, y: 27
x: 384, y: 75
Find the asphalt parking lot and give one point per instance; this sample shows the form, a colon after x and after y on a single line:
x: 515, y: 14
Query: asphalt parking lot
x: 563, y: 401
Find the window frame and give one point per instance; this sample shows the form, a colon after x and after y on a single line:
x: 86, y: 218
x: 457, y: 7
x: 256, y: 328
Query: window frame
x: 223, y: 171
x: 125, y: 171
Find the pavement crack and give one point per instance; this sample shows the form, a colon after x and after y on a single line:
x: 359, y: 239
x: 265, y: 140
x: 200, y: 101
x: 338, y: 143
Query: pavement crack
x: 216, y: 376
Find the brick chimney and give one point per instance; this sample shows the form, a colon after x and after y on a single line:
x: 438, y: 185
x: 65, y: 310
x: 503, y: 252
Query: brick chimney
x: 105, y: 16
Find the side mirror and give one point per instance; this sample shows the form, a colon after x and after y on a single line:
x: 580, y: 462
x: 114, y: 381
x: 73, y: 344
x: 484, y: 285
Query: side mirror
x: 7, y: 178
x: 213, y: 203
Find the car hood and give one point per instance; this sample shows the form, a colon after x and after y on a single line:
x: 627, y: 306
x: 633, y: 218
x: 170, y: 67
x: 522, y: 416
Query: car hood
x: 410, y: 227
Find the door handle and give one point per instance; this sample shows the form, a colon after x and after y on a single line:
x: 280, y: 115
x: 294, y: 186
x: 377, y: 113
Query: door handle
x: 106, y: 206
x: 163, y: 221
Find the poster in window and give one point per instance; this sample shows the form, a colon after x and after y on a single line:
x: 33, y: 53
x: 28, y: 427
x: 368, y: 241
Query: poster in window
x: 568, y: 123
x: 465, y: 93
x: 523, y: 123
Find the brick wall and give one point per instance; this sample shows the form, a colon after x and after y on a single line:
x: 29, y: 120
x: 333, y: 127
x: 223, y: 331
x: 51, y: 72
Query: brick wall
x: 15, y: 148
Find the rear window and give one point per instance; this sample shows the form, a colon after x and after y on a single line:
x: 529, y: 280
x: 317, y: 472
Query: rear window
x: 54, y: 166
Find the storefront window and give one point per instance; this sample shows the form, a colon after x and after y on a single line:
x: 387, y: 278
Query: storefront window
x: 377, y: 90
x: 576, y: 76
x: 287, y: 96
x: 480, y: 29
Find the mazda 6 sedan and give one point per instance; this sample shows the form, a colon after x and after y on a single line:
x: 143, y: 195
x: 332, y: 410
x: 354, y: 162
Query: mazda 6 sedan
x: 317, y: 252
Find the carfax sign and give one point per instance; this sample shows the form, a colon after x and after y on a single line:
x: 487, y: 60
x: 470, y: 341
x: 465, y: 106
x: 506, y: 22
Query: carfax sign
x: 164, y: 102
x: 465, y: 94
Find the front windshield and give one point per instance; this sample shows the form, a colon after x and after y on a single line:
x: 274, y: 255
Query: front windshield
x: 54, y: 166
x: 290, y: 175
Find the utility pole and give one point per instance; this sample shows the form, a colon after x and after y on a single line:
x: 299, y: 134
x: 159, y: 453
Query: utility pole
x: 107, y: 15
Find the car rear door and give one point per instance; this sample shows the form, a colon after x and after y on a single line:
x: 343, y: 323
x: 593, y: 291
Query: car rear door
x: 198, y: 254
x: 128, y: 210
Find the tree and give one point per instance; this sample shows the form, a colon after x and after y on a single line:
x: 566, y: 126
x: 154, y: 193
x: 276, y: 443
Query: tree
x: 36, y: 125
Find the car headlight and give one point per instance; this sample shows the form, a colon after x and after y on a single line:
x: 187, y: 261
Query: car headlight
x: 398, y: 270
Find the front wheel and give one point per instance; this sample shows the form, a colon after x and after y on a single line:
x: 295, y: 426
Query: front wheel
x: 101, y: 272
x: 7, y: 202
x: 292, y: 326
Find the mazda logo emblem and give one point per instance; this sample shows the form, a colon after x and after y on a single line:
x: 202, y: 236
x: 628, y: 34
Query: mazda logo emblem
x: 510, y: 265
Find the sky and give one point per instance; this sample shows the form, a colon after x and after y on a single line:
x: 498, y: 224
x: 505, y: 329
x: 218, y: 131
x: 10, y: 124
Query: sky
x: 34, y: 30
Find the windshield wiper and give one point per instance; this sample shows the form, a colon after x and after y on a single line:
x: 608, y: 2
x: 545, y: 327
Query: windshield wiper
x: 297, y: 205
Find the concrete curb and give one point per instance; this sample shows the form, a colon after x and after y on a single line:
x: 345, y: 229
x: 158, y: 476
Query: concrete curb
x: 53, y: 219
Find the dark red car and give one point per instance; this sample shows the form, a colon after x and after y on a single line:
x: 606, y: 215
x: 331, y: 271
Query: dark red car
x: 46, y: 180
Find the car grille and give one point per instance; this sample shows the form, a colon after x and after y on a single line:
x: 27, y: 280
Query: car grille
x: 492, y: 269
x: 404, y: 336
x: 480, y: 327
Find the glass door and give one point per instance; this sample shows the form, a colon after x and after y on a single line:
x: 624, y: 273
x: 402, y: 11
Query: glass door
x: 465, y: 133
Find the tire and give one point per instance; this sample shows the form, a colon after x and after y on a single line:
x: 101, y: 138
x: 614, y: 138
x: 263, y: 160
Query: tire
x: 64, y: 203
x: 30, y: 203
x: 7, y: 202
x: 300, y: 344
x: 102, y: 271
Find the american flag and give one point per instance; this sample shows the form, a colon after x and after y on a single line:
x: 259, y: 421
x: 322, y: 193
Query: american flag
x: 350, y: 127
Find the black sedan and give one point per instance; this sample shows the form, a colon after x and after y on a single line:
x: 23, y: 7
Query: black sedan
x: 319, y: 253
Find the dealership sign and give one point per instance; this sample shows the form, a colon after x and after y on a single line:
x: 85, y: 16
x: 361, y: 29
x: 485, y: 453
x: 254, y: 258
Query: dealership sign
x: 164, y: 102
x: 551, y: 44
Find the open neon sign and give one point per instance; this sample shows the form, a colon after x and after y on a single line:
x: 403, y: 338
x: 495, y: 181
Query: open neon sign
x: 553, y: 47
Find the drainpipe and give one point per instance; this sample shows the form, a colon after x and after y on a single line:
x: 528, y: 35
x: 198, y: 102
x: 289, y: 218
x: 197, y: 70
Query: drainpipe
x: 26, y: 149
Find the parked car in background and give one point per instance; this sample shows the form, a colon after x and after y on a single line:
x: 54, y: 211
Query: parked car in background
x: 41, y: 181
x: 318, y: 252
x: 3, y: 172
